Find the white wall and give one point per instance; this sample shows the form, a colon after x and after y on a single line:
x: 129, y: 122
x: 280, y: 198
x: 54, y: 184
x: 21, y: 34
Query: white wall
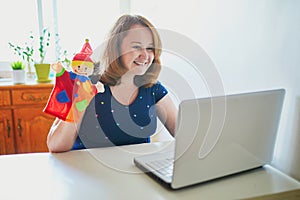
x: 255, y: 45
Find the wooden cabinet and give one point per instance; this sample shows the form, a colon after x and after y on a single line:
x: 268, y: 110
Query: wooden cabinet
x: 7, y: 145
x: 23, y: 125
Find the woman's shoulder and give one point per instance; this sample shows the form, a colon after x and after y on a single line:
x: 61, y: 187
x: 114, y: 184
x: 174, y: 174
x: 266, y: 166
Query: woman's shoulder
x: 155, y: 85
x: 158, y: 86
x: 157, y: 90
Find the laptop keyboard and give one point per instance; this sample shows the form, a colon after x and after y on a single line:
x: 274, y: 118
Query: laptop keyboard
x: 164, y: 166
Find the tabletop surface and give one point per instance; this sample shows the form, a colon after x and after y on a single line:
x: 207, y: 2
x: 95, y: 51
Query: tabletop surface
x: 109, y: 173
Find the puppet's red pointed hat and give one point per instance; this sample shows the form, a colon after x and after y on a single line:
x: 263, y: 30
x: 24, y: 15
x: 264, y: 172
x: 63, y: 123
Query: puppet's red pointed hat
x: 83, y: 57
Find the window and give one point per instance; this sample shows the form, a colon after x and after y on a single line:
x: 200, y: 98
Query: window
x: 70, y: 23
x: 78, y: 20
x: 18, y: 19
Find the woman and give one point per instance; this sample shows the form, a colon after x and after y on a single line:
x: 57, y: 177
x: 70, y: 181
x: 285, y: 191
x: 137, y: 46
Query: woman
x: 126, y: 111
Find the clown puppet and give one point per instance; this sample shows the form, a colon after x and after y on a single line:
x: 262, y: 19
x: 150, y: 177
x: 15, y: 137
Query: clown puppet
x: 73, y: 90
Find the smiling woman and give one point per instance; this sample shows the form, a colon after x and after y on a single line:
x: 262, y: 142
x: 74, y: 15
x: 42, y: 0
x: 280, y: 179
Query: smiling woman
x: 126, y: 111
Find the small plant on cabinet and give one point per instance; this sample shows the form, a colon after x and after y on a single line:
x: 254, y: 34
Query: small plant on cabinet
x: 18, y: 65
x: 25, y: 52
x: 18, y: 73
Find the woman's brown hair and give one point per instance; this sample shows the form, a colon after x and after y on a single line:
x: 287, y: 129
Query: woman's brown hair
x: 111, y: 55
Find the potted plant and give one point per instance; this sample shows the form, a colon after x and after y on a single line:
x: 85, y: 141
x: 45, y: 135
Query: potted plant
x: 18, y: 73
x: 43, y: 69
x: 26, y: 53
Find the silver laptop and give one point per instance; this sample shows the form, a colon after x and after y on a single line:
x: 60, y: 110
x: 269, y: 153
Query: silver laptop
x: 218, y: 136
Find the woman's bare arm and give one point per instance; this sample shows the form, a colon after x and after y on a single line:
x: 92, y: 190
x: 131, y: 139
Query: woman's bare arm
x: 61, y: 136
x: 167, y: 113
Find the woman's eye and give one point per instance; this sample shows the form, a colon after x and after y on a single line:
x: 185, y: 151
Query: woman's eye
x: 139, y: 48
x: 150, y: 49
x: 136, y: 47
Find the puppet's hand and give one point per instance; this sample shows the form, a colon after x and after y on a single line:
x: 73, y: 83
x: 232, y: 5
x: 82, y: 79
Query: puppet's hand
x: 100, y: 87
x: 57, y: 67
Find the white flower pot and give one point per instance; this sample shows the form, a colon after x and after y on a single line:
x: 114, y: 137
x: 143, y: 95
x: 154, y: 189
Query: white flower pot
x: 18, y: 76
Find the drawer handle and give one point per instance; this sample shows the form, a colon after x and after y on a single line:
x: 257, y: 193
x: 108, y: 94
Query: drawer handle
x: 32, y: 98
x: 19, y: 128
x: 8, y: 128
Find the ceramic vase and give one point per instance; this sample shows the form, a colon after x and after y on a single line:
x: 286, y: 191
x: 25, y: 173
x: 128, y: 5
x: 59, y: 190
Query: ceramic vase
x: 42, y: 72
x: 18, y: 76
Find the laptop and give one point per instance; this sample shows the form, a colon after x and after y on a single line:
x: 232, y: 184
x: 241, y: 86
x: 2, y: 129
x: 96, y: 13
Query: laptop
x: 217, y: 137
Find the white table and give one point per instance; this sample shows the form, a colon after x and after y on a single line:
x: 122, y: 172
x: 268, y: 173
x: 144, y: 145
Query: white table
x: 109, y: 173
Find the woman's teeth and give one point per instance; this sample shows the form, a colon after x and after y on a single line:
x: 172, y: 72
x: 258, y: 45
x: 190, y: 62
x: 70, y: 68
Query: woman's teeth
x: 140, y: 63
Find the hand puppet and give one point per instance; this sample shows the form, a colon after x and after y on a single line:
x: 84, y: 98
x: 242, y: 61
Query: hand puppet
x: 73, y: 90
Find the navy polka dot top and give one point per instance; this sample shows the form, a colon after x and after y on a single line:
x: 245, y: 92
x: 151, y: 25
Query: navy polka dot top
x: 107, y: 122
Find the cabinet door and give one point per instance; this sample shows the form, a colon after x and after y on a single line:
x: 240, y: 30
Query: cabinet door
x: 7, y: 145
x: 31, y: 129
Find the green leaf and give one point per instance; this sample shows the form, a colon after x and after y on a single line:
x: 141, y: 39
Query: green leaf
x: 18, y: 65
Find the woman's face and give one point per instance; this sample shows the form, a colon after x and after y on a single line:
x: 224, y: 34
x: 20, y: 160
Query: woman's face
x: 137, y: 49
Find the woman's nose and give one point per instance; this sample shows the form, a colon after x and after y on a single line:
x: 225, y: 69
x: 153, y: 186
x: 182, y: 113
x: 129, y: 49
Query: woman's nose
x: 143, y: 53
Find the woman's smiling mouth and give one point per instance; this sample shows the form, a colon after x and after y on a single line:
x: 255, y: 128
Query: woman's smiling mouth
x: 140, y: 63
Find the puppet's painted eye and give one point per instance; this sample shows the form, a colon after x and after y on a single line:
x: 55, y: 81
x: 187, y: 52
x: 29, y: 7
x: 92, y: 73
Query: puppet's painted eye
x: 78, y: 66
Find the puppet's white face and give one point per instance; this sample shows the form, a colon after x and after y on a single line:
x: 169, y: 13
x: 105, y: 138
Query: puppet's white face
x: 83, y: 70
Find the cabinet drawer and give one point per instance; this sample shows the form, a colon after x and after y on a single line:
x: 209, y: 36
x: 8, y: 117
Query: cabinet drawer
x: 4, y: 98
x: 30, y: 96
